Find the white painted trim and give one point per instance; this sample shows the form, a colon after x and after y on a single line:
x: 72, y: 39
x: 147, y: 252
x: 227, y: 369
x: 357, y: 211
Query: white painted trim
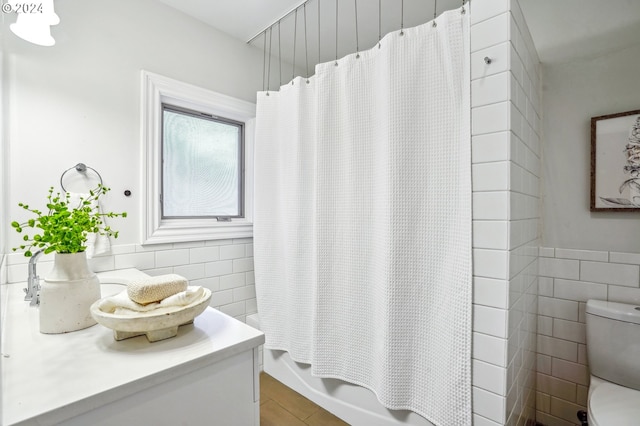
x: 157, y: 89
x: 4, y: 148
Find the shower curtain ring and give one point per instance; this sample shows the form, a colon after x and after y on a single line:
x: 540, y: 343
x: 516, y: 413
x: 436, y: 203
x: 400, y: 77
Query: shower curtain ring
x: 435, y: 13
x: 402, y: 17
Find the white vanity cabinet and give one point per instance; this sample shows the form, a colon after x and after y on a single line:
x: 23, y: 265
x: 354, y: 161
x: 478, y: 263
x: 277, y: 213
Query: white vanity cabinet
x: 207, y: 375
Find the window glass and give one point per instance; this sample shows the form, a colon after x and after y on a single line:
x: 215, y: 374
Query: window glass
x: 201, y: 165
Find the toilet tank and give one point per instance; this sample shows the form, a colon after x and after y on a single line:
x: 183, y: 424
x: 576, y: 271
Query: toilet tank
x: 613, y: 342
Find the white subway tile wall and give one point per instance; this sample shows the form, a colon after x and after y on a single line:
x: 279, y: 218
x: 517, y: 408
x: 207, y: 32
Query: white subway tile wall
x: 506, y: 169
x: 223, y: 266
x: 563, y: 373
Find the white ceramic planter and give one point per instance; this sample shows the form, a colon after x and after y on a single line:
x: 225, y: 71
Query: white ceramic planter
x: 67, y: 294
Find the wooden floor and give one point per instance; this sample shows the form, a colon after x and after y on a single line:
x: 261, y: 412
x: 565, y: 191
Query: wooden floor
x: 281, y: 406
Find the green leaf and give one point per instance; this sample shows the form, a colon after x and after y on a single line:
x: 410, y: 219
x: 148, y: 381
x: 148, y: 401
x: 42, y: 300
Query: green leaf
x: 64, y: 227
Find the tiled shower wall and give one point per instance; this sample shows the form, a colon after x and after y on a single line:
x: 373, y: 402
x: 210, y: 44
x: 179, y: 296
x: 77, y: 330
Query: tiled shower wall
x: 223, y: 266
x: 568, y: 278
x: 506, y: 170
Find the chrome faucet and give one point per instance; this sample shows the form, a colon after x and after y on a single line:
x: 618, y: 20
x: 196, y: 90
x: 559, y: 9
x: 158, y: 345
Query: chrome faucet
x: 32, y: 292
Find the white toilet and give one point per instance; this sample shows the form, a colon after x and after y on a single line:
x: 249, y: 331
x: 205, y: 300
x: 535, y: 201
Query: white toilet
x: 613, y: 349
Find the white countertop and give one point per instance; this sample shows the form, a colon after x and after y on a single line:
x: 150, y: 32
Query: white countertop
x: 63, y: 375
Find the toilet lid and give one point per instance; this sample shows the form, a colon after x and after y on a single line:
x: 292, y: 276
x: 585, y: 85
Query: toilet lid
x: 614, y: 405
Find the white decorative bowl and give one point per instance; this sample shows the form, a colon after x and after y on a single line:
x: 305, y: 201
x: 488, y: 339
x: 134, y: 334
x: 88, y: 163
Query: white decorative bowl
x: 154, y: 326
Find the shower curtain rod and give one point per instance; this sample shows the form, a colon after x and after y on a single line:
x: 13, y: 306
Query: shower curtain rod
x: 301, y: 4
x: 266, y: 71
x: 293, y: 9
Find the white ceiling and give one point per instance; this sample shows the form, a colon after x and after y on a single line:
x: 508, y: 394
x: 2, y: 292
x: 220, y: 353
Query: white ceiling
x: 562, y: 30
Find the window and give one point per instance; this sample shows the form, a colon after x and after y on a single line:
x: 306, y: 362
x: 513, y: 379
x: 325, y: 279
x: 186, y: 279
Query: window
x: 198, y: 162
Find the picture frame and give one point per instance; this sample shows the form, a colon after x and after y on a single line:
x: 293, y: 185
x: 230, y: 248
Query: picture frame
x: 615, y: 162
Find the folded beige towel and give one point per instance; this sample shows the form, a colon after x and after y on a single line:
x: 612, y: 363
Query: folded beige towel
x: 121, y: 304
x: 155, y: 289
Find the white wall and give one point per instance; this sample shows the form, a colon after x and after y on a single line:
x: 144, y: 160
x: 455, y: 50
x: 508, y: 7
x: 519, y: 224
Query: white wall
x: 79, y: 101
x: 587, y: 255
x: 572, y: 94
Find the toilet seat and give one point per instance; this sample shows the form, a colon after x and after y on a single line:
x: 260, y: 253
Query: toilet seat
x: 611, y: 404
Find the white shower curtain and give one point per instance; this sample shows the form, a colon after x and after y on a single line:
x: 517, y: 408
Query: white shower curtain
x: 362, y: 230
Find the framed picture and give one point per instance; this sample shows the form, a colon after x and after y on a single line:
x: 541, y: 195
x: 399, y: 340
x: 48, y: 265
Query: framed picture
x: 615, y: 162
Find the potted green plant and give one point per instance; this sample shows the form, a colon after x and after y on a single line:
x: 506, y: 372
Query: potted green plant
x: 65, y: 227
x: 71, y: 287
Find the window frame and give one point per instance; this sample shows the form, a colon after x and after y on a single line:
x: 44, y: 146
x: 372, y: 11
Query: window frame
x: 216, y: 119
x: 156, y: 90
